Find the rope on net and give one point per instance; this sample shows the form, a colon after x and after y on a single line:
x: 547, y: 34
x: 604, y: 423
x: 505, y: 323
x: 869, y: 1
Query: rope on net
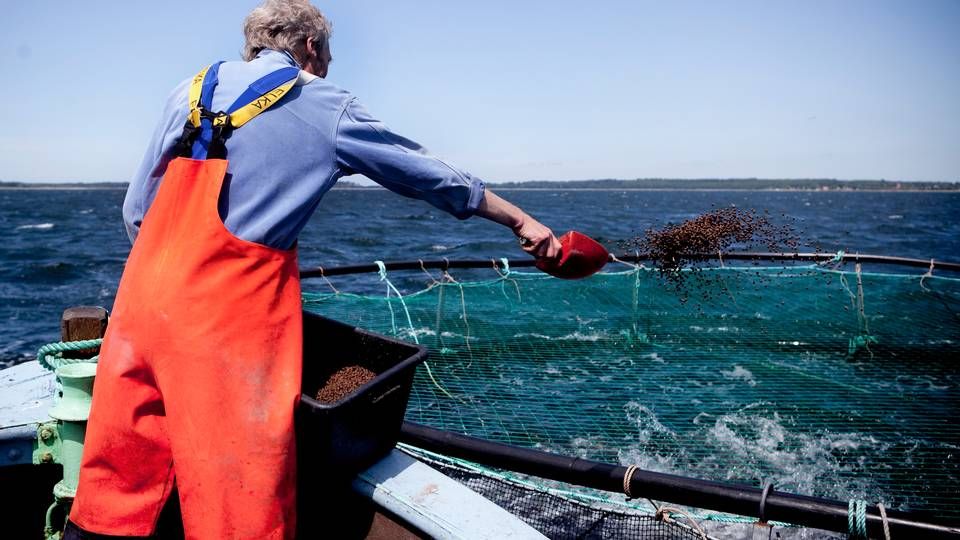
x: 463, y: 312
x: 640, y: 337
x: 864, y: 338
x: 837, y: 259
x: 413, y: 331
x: 505, y: 276
x: 926, y: 275
x: 447, y: 278
x: 50, y: 356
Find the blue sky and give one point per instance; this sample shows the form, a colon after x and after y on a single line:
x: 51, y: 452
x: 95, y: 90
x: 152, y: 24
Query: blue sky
x: 513, y: 90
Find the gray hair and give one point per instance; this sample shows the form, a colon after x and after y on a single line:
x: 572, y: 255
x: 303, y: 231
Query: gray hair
x: 285, y: 25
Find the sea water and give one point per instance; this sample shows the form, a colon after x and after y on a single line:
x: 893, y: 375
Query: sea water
x: 67, y: 247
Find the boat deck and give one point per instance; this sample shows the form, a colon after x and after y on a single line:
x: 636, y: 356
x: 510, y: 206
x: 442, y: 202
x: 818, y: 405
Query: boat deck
x: 27, y: 391
x: 417, y: 494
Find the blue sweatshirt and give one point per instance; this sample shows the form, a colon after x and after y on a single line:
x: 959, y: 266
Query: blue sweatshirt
x: 283, y: 161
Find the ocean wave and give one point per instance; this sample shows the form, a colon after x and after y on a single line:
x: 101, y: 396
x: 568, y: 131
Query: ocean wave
x: 655, y: 357
x: 574, y: 336
x: 430, y: 332
x: 36, y: 227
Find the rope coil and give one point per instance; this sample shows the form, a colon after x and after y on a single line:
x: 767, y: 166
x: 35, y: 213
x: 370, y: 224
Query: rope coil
x: 50, y: 356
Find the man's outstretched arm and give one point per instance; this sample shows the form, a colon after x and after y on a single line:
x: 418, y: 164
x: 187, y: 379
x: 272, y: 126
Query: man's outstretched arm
x: 535, y: 238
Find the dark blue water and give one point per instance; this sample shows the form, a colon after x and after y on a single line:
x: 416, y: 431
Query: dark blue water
x: 67, y: 247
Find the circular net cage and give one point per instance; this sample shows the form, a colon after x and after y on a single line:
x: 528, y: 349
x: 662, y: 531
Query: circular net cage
x: 833, y: 382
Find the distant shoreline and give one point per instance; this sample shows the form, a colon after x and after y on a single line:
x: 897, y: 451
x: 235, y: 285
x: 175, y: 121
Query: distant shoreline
x: 62, y: 188
x: 649, y: 184
x: 499, y: 189
x: 506, y: 189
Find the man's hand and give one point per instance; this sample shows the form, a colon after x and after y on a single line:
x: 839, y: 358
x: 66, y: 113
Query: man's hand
x: 537, y: 239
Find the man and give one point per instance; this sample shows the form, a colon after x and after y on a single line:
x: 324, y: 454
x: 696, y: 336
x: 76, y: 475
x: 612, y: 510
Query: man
x: 199, y: 372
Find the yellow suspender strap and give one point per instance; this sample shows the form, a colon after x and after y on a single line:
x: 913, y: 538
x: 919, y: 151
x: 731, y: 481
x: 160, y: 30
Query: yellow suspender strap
x: 249, y: 111
x: 241, y: 115
x: 193, y: 98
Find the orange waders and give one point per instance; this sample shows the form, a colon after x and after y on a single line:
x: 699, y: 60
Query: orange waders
x: 199, y: 372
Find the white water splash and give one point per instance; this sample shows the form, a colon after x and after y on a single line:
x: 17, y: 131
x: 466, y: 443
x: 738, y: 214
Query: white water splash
x: 36, y: 227
x: 740, y: 373
x: 646, y: 422
x: 766, y: 445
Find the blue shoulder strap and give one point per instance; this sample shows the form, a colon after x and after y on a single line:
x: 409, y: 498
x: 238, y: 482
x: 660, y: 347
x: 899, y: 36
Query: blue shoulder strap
x: 264, y: 85
x: 202, y: 143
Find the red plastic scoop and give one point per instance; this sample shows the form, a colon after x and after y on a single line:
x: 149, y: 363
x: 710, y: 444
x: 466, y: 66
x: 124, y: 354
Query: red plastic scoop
x: 580, y: 256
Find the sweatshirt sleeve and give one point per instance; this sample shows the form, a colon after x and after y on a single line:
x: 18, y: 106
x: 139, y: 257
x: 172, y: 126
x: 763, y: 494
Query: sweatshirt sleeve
x: 368, y: 147
x: 145, y: 183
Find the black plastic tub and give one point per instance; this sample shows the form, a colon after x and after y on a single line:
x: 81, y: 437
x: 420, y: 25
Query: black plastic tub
x: 343, y: 438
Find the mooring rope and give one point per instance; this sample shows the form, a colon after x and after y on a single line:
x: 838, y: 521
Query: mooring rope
x: 433, y: 280
x: 883, y: 518
x: 627, y: 477
x: 50, y: 356
x: 638, y: 265
x: 663, y: 515
x: 857, y: 519
x: 335, y: 291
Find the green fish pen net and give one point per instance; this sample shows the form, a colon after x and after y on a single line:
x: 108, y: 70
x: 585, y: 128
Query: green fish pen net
x: 833, y: 383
